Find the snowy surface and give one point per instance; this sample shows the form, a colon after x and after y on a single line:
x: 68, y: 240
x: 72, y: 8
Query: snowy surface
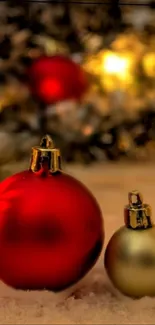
x: 93, y: 300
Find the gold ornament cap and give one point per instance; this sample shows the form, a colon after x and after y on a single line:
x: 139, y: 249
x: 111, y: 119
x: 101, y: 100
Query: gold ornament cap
x: 46, y: 154
x: 137, y: 215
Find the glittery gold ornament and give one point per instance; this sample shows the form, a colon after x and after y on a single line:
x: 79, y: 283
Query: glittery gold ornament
x: 130, y: 253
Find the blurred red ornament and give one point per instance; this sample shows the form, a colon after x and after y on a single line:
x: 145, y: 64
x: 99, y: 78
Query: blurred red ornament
x: 57, y: 78
x: 51, y: 227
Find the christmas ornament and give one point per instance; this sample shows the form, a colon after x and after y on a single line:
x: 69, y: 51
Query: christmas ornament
x: 130, y: 253
x: 51, y: 228
x: 57, y: 78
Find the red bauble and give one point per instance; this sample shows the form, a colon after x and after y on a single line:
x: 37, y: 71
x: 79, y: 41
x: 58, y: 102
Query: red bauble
x: 51, y: 230
x: 57, y: 78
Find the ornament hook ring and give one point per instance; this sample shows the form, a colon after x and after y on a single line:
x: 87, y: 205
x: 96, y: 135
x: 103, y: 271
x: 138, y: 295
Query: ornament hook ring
x: 47, y: 142
x: 138, y: 196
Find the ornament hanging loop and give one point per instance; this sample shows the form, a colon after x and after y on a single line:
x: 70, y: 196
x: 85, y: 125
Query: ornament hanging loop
x: 138, y: 198
x: 47, y: 142
x: 137, y: 215
x: 46, y: 157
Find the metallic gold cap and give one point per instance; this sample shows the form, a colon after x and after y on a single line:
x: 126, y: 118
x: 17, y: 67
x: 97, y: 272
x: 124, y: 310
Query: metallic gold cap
x: 137, y: 215
x: 46, y: 154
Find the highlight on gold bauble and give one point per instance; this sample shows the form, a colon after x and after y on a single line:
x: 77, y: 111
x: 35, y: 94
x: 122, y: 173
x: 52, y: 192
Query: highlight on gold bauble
x: 130, y: 254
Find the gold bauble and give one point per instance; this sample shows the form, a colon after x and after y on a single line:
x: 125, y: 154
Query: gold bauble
x: 130, y: 254
x: 149, y: 64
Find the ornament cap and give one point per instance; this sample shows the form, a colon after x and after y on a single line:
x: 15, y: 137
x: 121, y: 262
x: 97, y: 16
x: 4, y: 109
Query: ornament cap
x: 137, y: 215
x: 46, y: 155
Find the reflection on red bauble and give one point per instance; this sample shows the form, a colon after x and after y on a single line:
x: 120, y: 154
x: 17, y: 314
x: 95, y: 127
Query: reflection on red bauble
x: 57, y: 78
x: 51, y: 228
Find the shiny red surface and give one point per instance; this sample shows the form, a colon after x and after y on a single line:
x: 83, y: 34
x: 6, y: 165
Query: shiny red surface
x: 57, y: 78
x: 51, y: 231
